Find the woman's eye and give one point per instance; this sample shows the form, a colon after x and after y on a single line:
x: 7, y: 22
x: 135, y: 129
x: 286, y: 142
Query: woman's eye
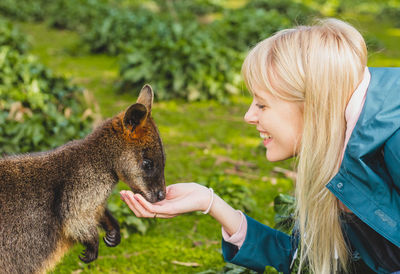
x: 260, y: 106
x: 147, y: 164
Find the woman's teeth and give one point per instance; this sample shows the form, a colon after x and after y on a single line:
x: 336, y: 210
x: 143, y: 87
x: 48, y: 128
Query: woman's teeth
x: 265, y: 136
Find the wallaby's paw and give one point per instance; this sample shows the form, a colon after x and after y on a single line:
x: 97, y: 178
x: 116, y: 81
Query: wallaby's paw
x: 88, y: 256
x: 112, y: 238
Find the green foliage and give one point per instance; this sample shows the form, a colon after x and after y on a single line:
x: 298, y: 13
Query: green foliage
x: 182, y: 61
x: 11, y: 36
x: 373, y: 43
x: 391, y: 11
x: 284, y: 206
x: 229, y: 269
x: 76, y: 14
x: 172, y: 46
x: 235, y: 194
x: 243, y: 28
x: 119, y: 30
x: 38, y: 110
x: 24, y: 10
x: 259, y: 19
x: 296, y: 12
x: 197, y: 7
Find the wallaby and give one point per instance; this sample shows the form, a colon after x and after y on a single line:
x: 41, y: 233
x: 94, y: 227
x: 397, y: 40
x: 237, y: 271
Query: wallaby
x: 51, y: 200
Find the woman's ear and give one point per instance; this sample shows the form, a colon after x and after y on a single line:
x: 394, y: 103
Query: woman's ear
x: 134, y: 116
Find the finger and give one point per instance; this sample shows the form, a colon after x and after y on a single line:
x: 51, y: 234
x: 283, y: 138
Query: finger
x: 143, y: 211
x: 169, y: 192
x: 129, y: 201
x: 135, y: 207
x: 144, y: 203
x: 164, y: 208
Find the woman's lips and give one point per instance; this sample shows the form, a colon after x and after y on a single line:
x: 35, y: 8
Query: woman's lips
x: 266, y: 138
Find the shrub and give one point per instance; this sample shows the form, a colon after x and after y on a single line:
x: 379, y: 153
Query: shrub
x: 116, y: 32
x: 391, y: 11
x: 38, y: 110
x: 197, y: 7
x: 11, y: 36
x: 24, y: 10
x: 243, y: 28
x: 284, y: 207
x: 76, y: 14
x: 296, y: 12
x: 182, y: 60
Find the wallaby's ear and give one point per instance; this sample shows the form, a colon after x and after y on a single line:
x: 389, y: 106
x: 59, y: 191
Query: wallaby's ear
x: 134, y: 116
x: 146, y: 96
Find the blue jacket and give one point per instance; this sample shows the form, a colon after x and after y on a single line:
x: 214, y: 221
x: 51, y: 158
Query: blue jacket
x: 368, y: 182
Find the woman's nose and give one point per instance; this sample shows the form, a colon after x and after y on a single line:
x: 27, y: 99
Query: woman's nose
x: 251, y: 115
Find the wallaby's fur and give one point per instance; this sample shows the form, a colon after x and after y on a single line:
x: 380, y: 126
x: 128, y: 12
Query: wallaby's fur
x: 51, y: 200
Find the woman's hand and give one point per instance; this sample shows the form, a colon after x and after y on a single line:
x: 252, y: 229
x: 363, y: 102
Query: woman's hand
x: 180, y: 198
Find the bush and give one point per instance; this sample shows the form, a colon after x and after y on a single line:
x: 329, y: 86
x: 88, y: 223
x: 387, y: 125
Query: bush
x: 297, y: 13
x: 117, y: 32
x: 11, y: 36
x: 182, y: 61
x: 243, y: 28
x: 24, y: 10
x: 38, y: 110
x: 76, y: 14
x: 391, y: 11
x: 197, y: 7
x: 284, y: 207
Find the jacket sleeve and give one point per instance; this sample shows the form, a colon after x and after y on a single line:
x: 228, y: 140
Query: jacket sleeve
x: 263, y: 246
x: 392, y: 157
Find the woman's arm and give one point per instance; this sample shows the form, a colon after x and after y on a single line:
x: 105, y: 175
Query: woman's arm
x: 182, y: 198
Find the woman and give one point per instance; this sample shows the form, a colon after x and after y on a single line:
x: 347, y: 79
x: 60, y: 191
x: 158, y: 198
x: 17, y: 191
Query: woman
x: 314, y: 98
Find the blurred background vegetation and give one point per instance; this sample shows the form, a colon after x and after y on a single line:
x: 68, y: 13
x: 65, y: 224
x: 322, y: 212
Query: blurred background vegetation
x: 67, y: 64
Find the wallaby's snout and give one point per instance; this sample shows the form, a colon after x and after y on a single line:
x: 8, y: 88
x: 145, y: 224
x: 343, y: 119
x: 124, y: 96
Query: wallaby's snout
x: 161, y: 195
x: 158, y: 194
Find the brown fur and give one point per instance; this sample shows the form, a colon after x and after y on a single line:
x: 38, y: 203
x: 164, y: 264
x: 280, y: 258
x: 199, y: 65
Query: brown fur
x: 50, y: 200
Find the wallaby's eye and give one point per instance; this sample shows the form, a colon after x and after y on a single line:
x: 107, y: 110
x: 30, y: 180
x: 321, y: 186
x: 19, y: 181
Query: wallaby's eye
x: 147, y: 164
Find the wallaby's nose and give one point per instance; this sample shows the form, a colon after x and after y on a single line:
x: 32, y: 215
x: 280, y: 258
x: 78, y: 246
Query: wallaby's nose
x: 160, y: 195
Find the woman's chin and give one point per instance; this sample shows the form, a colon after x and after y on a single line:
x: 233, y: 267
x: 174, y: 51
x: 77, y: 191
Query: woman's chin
x: 275, y: 157
x: 271, y: 157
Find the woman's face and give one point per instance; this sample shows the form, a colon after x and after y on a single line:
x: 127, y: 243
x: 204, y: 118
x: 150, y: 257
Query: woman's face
x: 279, y: 122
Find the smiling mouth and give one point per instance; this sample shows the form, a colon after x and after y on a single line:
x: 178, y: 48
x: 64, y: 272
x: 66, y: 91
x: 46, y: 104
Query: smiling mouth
x: 265, y: 136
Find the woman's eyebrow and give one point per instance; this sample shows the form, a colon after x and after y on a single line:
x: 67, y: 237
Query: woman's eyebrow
x: 259, y: 98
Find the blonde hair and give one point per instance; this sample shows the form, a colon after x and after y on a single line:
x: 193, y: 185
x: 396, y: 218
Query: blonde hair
x: 319, y: 65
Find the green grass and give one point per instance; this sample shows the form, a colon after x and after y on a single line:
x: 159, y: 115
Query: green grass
x: 196, y: 137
